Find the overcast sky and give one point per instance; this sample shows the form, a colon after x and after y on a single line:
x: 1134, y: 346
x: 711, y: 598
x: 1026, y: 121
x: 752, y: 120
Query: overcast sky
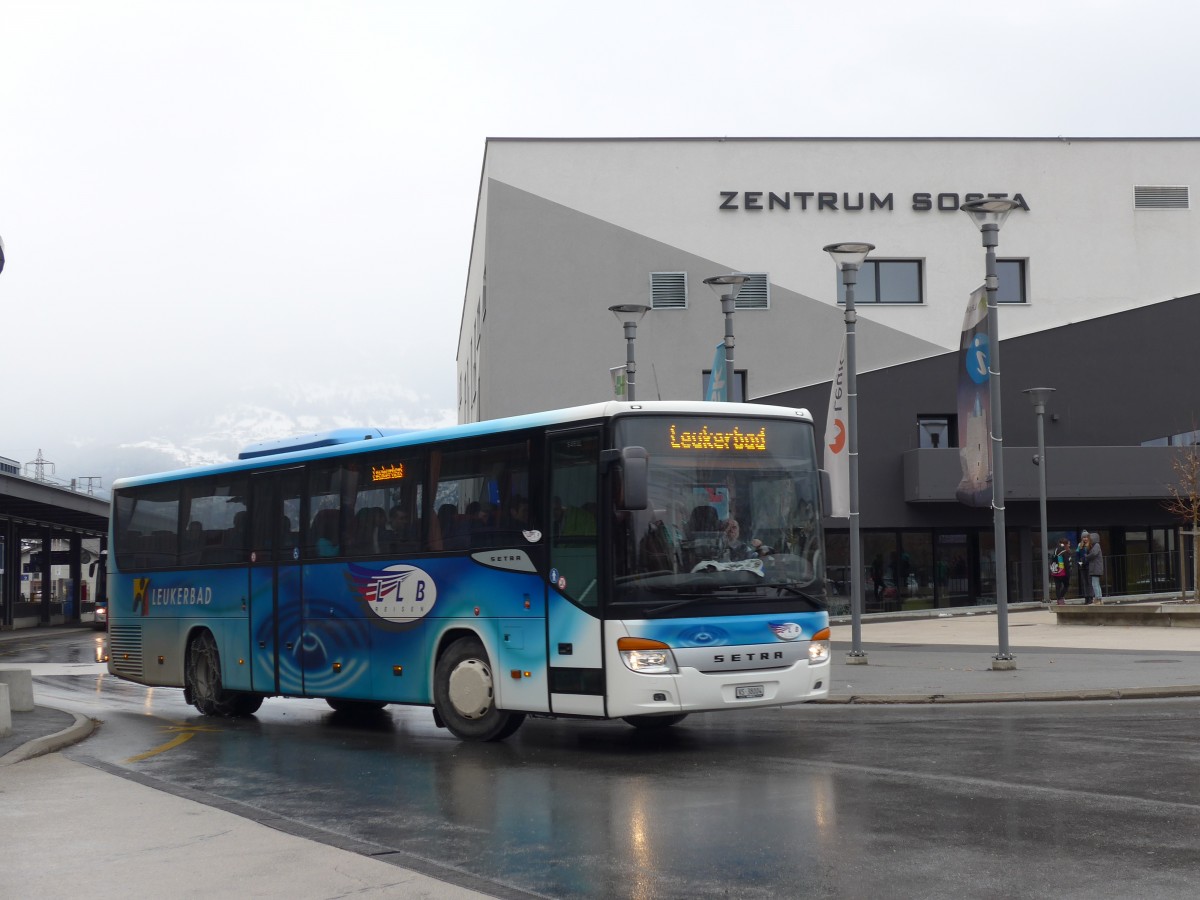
x: 229, y: 221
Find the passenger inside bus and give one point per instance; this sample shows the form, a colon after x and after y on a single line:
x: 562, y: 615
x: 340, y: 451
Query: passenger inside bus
x: 324, y: 533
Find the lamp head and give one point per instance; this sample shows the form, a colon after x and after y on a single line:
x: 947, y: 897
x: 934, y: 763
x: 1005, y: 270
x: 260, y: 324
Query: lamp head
x: 848, y: 254
x: 1038, y: 396
x: 989, y: 211
x: 629, y: 312
x: 727, y: 285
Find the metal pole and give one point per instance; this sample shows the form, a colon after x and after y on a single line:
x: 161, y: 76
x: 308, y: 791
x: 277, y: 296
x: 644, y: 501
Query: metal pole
x: 1041, y: 414
x: 849, y: 280
x: 727, y: 307
x: 630, y: 364
x: 991, y: 238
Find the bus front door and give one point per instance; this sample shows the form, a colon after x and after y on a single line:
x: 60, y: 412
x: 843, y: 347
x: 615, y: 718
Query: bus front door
x: 573, y: 601
x: 276, y: 622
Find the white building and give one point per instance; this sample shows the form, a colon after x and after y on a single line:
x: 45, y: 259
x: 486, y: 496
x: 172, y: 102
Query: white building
x: 566, y: 228
x: 1097, y: 277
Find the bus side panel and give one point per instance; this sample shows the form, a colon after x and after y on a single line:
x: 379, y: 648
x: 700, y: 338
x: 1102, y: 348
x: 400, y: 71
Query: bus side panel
x: 290, y: 631
x: 151, y: 613
x: 576, y: 673
x: 335, y: 648
x: 233, y: 641
x: 262, y: 629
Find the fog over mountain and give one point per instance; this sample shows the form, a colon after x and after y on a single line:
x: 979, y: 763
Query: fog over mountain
x: 145, y: 441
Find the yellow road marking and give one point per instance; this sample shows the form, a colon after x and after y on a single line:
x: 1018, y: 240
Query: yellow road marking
x: 186, y: 733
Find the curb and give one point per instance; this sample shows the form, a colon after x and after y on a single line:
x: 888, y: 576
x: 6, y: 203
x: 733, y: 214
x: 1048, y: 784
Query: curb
x: 1145, y: 693
x: 81, y: 728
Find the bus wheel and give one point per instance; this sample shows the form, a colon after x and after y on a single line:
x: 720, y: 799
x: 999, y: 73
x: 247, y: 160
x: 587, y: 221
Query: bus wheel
x: 355, y: 706
x: 202, y: 674
x: 654, y: 723
x: 464, y: 694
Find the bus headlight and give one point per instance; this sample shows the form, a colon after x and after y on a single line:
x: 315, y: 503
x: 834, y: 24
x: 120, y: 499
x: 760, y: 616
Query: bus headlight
x: 646, y: 656
x: 818, y: 650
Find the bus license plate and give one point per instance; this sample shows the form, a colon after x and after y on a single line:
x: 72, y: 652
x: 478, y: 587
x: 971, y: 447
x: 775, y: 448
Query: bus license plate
x: 748, y: 692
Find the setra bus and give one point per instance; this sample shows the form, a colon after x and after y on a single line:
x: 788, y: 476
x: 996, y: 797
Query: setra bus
x: 640, y: 561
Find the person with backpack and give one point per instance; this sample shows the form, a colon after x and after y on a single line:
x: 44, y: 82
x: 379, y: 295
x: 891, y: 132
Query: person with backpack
x: 1060, y: 570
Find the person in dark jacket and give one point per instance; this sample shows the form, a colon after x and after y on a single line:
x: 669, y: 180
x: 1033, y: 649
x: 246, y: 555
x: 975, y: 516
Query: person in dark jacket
x: 1085, y: 583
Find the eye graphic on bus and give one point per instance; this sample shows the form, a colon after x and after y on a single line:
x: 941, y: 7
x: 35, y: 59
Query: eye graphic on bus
x: 396, y: 593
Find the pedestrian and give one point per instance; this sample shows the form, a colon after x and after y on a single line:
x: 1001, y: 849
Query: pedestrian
x: 1085, y: 583
x: 1060, y: 570
x: 1095, y: 559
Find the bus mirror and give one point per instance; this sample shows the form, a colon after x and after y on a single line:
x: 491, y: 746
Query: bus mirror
x: 826, y: 492
x: 634, y: 481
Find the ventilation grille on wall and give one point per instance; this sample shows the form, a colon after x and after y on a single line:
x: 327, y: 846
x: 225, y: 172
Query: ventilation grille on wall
x: 1158, y: 196
x: 755, y: 293
x: 668, y: 290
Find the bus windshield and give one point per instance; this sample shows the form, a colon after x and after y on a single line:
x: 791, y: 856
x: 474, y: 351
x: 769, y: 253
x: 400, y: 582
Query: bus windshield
x: 733, y: 520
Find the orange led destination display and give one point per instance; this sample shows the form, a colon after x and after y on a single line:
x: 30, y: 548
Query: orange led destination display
x: 704, y: 439
x: 389, y: 472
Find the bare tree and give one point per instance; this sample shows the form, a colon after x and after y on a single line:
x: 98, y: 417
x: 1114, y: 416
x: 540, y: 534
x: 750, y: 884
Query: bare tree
x: 1185, y: 499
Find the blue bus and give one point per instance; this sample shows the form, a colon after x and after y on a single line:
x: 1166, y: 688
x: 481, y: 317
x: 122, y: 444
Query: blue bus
x: 639, y: 561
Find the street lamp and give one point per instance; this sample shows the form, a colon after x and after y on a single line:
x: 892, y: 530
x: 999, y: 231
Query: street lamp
x: 629, y: 314
x: 1038, y: 397
x: 733, y: 282
x: 989, y: 215
x: 848, y: 257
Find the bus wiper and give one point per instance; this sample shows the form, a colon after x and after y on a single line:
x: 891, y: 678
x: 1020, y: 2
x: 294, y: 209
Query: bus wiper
x: 688, y: 601
x: 792, y: 589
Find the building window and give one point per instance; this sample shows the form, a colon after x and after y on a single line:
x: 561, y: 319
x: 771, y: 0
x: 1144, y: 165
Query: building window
x: 755, y: 293
x: 935, y: 432
x: 887, y: 281
x: 739, y: 385
x: 668, y: 290
x: 1010, y: 275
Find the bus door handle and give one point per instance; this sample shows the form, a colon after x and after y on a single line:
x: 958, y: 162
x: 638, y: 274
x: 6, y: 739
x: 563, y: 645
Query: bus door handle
x: 288, y: 645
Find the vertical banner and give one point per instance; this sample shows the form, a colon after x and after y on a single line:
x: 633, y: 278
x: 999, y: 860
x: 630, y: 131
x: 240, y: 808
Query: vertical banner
x: 716, y: 381
x: 837, y: 448
x: 620, y: 390
x: 974, y: 406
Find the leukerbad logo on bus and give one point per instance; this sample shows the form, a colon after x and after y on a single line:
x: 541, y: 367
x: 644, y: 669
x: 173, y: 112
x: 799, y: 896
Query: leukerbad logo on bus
x: 397, y: 593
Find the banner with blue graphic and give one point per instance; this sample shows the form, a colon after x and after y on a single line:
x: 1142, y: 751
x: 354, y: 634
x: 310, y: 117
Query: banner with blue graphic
x: 974, y: 406
x: 716, y: 381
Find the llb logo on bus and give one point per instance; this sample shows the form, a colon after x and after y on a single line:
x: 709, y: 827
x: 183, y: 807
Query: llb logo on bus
x: 397, y: 593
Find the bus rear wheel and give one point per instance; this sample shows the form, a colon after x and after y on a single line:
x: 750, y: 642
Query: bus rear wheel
x: 654, y: 723
x: 202, y: 677
x: 464, y: 694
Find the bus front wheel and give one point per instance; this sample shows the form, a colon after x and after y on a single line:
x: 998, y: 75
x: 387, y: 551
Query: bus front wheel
x: 203, y: 680
x: 464, y: 694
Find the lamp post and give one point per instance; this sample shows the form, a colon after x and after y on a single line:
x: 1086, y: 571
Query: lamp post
x: 629, y: 314
x: 989, y: 215
x: 718, y: 283
x: 1038, y: 397
x: 848, y: 257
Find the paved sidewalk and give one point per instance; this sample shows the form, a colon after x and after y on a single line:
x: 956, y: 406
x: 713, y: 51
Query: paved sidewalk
x: 949, y: 659
x: 147, y: 842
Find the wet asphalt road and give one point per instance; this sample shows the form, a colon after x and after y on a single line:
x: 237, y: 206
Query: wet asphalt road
x: 1019, y: 800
